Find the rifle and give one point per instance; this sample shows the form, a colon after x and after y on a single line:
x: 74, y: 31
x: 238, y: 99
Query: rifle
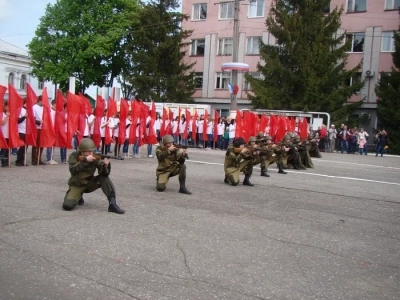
x: 179, y: 146
x: 96, y: 156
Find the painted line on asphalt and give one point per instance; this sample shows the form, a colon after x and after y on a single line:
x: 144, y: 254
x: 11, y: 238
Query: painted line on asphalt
x: 349, y: 163
x: 306, y: 173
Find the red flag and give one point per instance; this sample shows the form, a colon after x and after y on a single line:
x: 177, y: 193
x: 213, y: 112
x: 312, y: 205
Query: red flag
x: 98, y: 113
x: 179, y: 123
x: 185, y: 131
x: 303, y: 128
x: 14, y: 108
x: 164, y: 120
x: 123, y: 115
x: 59, y: 122
x: 281, y: 130
x: 263, y: 123
x: 194, y: 125
x: 3, y: 143
x: 273, y: 126
x: 112, y: 108
x: 206, y: 116
x: 136, y: 112
x: 73, y: 114
x: 152, y: 136
x: 47, y: 136
x: 246, y: 125
x: 216, y: 122
x: 31, y: 130
x: 239, y: 126
x: 144, y: 113
x: 82, y: 118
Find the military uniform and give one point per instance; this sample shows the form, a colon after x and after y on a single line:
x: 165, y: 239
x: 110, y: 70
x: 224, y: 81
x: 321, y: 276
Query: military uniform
x: 269, y: 155
x: 292, y: 157
x: 305, y: 158
x: 82, y: 179
x: 236, y: 163
x: 170, y: 163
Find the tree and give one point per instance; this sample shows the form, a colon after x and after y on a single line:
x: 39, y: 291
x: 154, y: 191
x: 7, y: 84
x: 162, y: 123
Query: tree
x: 388, y: 91
x: 157, y: 71
x: 305, y: 69
x: 84, y: 39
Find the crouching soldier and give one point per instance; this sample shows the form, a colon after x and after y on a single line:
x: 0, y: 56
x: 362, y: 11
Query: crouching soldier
x: 238, y: 159
x: 171, y: 162
x: 82, y: 165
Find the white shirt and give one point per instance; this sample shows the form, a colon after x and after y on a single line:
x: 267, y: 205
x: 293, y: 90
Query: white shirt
x: 89, y: 119
x: 22, y: 125
x: 52, y: 116
x: 232, y: 128
x: 190, y: 126
x: 157, y: 124
x: 220, y: 128
x: 210, y: 126
x: 5, y: 127
x: 116, y: 125
x: 128, y: 129
x: 174, y: 126
x: 182, y: 128
x: 103, y: 125
x: 200, y: 126
x: 38, y: 114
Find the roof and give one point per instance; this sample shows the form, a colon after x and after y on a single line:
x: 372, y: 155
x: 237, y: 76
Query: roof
x: 9, y: 48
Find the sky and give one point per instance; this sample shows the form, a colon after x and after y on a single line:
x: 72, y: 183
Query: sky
x: 19, y: 19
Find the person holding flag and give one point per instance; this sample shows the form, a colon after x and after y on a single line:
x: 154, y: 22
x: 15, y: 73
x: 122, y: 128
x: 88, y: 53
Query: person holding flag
x: 38, y: 114
x: 4, y: 153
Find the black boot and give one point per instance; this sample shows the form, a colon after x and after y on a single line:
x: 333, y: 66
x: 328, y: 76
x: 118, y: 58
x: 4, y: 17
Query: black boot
x: 226, y: 179
x: 113, y: 207
x: 281, y: 170
x: 81, y: 201
x: 247, y: 181
x: 4, y: 162
x: 183, y: 189
x: 264, y: 172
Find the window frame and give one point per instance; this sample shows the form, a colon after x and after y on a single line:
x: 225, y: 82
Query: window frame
x: 23, y: 79
x: 357, y: 75
x: 192, y: 48
x: 40, y: 85
x: 197, y: 76
x: 352, y: 10
x: 256, y: 8
x: 224, y: 46
x: 392, y: 8
x: 352, y: 41
x: 393, y: 47
x: 194, y: 13
x: 219, y: 80
x: 258, y: 38
x: 221, y: 10
x: 11, y: 78
x: 246, y: 85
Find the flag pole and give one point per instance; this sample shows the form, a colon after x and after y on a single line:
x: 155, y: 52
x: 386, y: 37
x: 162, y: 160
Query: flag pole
x: 9, y: 157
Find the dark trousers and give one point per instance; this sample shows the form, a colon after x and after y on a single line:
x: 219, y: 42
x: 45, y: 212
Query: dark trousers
x: 4, y: 152
x: 37, y: 151
x: 21, y: 150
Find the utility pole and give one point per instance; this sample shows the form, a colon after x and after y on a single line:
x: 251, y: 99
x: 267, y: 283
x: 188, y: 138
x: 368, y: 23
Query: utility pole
x: 235, y: 55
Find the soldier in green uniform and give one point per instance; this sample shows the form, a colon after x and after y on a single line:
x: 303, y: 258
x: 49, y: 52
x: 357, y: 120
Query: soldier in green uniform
x: 171, y: 162
x: 238, y: 159
x: 273, y: 153
x: 82, y: 165
x: 301, y: 146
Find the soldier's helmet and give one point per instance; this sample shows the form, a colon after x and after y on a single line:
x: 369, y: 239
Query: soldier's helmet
x: 268, y: 137
x: 260, y: 135
x: 252, y: 139
x: 86, y: 145
x: 286, y: 138
x: 167, y: 139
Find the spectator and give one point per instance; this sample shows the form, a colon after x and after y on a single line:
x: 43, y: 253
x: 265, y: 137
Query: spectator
x: 332, y: 137
x: 344, y: 137
x: 381, y: 142
x: 362, y: 138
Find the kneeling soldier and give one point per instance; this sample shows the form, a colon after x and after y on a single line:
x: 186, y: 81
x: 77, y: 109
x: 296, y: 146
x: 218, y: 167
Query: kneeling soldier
x: 238, y: 159
x: 82, y: 165
x: 171, y: 162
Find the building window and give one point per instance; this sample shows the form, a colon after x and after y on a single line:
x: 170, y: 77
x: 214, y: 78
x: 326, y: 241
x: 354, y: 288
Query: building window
x: 392, y: 4
x: 253, y: 45
x: 199, y: 80
x: 256, y: 8
x: 41, y: 85
x: 199, y: 11
x: 22, y: 83
x: 247, y: 85
x: 197, y: 47
x: 355, y: 78
x: 11, y: 78
x: 225, y: 46
x: 327, y: 9
x: 356, y: 5
x: 387, y: 41
x: 222, y: 80
x: 357, y: 41
x: 226, y: 10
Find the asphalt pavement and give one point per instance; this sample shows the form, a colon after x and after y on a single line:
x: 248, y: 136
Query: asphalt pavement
x: 332, y: 232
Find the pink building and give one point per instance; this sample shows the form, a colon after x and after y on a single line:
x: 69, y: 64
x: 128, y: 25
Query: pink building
x: 369, y: 23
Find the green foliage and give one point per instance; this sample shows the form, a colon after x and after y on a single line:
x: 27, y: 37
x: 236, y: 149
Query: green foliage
x: 84, y: 39
x: 305, y: 70
x: 388, y: 91
x: 154, y: 65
